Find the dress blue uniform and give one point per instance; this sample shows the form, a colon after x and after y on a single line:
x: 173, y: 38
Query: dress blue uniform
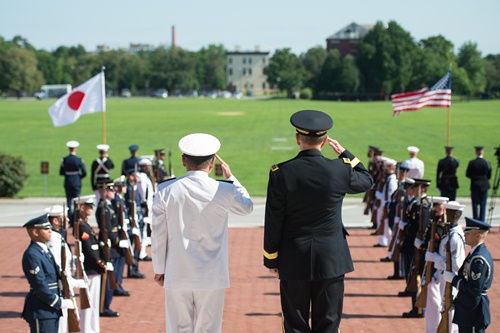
x: 304, y: 237
x: 73, y: 169
x: 132, y: 162
x: 479, y: 172
x: 472, y: 305
x: 42, y: 306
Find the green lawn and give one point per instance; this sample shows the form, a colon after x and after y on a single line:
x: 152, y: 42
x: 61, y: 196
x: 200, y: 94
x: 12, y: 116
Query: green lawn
x: 254, y: 134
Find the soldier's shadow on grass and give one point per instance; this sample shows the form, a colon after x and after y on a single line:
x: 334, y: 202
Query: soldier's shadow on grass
x: 13, y: 294
x: 370, y: 295
x: 367, y: 316
x: 260, y: 314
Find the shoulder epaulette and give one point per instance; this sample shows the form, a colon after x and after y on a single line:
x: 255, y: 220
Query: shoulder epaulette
x: 274, y: 167
x: 166, y: 180
x: 225, y: 181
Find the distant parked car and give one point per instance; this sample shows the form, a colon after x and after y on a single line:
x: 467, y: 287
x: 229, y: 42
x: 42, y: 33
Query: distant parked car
x: 224, y: 94
x: 237, y: 94
x: 125, y: 93
x: 161, y: 93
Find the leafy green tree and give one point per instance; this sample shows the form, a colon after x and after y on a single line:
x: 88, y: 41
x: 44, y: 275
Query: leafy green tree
x: 285, y: 71
x: 348, y: 79
x: 211, y: 67
x: 469, y: 58
x: 13, y: 175
x: 21, y: 71
x: 492, y: 69
x: 313, y: 61
x: 328, y: 79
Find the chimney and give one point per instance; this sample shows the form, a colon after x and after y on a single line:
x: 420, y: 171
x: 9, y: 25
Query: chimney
x: 173, y: 38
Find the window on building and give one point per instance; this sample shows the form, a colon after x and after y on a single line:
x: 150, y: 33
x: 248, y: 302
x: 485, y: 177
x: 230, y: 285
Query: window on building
x: 244, y: 60
x: 263, y: 60
x: 230, y: 71
x: 249, y: 60
x: 249, y: 71
x: 244, y: 71
x: 230, y: 60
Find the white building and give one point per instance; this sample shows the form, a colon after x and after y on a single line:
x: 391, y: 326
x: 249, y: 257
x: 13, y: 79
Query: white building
x: 245, y: 72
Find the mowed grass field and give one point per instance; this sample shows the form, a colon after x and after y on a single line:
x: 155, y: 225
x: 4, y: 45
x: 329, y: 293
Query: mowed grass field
x: 254, y: 134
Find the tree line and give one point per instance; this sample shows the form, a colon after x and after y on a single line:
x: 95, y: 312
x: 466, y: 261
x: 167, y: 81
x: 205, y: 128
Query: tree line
x: 390, y: 60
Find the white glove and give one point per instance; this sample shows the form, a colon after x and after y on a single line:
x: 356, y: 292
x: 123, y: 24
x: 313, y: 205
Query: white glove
x: 109, y: 266
x: 436, y: 258
x: 397, y: 219
x: 147, y: 219
x: 418, y: 242
x: 109, y: 242
x: 448, y: 276
x: 136, y: 231
x: 126, y: 222
x: 78, y: 283
x: 67, y: 304
x: 402, y: 225
x: 124, y: 243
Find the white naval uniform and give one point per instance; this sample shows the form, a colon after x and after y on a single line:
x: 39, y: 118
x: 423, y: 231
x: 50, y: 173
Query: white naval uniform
x: 390, y: 187
x: 54, y: 246
x: 190, y: 246
x: 435, y: 300
x: 416, y: 167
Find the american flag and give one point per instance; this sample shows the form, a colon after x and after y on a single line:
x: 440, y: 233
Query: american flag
x: 439, y: 95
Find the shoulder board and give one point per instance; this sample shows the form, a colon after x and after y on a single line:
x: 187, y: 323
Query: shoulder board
x: 225, y: 181
x: 346, y: 160
x: 166, y: 180
x: 274, y: 167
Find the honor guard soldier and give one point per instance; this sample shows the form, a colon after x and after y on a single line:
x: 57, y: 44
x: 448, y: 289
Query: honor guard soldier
x: 107, y: 221
x: 304, y: 237
x: 472, y: 305
x: 133, y: 161
x: 94, y: 263
x: 383, y: 196
x: 100, y: 168
x: 479, y: 172
x: 446, y: 176
x: 43, y: 304
x: 413, y: 163
x: 456, y: 241
x: 159, y: 169
x: 73, y: 169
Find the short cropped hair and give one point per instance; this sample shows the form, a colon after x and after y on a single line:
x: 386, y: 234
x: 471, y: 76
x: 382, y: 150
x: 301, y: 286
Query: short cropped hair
x: 312, y: 140
x: 198, y: 162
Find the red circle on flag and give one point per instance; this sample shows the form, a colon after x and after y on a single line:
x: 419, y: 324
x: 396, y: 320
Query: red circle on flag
x: 75, y: 100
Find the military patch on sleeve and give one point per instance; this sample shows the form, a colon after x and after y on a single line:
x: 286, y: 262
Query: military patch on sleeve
x: 274, y: 167
x: 346, y: 160
x: 475, y: 276
x: 85, y: 236
x: 35, y: 271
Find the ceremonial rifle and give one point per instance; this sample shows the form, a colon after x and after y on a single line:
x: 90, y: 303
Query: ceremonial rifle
x: 67, y: 291
x: 414, y: 278
x: 80, y: 271
x: 422, y: 297
x: 444, y: 324
x: 129, y: 258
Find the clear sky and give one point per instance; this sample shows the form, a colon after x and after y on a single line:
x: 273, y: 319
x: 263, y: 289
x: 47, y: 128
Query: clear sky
x: 269, y: 24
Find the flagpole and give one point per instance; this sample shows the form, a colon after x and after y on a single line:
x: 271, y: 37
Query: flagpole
x: 103, y: 106
x: 449, y: 123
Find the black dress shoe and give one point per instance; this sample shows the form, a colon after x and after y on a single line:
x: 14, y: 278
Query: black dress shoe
x: 110, y: 313
x: 121, y: 293
x: 412, y: 314
x: 146, y: 258
x: 373, y: 233
x: 379, y: 245
x: 386, y: 259
x: 404, y: 294
x: 136, y: 276
x: 395, y: 277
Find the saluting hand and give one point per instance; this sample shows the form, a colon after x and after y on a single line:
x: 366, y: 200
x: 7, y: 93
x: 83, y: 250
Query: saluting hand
x: 226, y: 171
x: 337, y: 148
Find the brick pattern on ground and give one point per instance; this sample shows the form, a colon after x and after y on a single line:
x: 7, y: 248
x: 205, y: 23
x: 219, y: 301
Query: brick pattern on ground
x: 252, y: 303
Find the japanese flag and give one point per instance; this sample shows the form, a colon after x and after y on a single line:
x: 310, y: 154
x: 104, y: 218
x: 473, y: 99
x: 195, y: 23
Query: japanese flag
x: 86, y: 98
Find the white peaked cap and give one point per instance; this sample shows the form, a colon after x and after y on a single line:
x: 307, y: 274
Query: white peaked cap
x: 86, y: 199
x: 454, y: 205
x: 199, y: 144
x: 56, y: 210
x: 413, y: 149
x: 439, y: 200
x: 102, y: 147
x: 72, y: 144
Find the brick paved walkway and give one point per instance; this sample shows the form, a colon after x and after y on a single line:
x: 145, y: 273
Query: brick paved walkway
x: 252, y: 302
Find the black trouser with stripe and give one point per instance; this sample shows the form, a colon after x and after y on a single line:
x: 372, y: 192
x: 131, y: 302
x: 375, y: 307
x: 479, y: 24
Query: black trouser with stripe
x: 325, y: 299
